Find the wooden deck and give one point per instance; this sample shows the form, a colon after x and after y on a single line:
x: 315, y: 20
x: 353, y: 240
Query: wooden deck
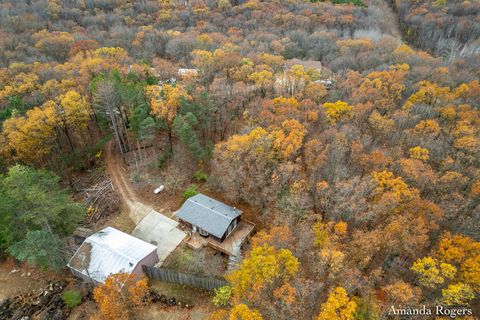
x: 239, y: 234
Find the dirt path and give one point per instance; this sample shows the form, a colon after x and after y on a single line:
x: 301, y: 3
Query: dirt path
x: 137, y: 209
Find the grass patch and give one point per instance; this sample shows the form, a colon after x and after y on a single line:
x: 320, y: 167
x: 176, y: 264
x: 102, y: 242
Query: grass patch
x: 200, y: 176
x: 190, y: 192
x: 72, y: 298
x: 182, y: 293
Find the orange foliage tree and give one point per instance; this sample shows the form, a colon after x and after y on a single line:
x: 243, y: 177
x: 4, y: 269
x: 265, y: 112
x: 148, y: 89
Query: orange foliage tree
x: 120, y: 296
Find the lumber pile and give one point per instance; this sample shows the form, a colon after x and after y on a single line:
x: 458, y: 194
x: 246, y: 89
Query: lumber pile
x: 99, y: 198
x: 45, y: 303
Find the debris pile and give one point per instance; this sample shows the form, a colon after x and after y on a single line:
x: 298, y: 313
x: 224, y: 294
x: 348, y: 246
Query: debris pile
x: 170, y: 302
x: 98, y: 199
x: 45, y: 303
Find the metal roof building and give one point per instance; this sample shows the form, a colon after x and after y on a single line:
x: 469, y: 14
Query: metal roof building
x: 111, y: 251
x: 210, y: 215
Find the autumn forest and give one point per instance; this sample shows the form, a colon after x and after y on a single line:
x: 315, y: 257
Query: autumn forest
x: 347, y: 130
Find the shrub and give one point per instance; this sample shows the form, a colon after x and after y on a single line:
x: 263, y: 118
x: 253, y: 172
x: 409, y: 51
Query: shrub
x: 162, y: 159
x: 136, y: 177
x: 72, y: 298
x: 222, y: 296
x: 201, y: 176
x: 190, y: 192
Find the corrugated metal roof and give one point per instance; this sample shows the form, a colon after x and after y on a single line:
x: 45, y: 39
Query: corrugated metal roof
x: 109, y: 251
x: 209, y: 214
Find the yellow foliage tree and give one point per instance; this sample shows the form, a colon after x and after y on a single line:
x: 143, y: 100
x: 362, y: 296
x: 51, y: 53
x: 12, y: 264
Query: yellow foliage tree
x: 427, y: 127
x: 322, y: 234
x: 19, y: 85
x: 165, y: 104
x: 288, y: 140
x: 464, y: 253
x: 261, y: 78
x: 203, y: 60
x: 239, y: 143
x: 283, y: 102
x: 430, y: 94
x: 238, y: 312
x: 333, y: 259
x: 243, y: 312
x: 337, y: 111
x: 457, y: 294
x: 29, y: 139
x: 73, y: 113
x: 325, y: 233
x: 419, y: 153
x: 338, y: 306
x: 468, y: 144
x: 388, y: 183
x: 265, y: 267
x: 76, y: 108
x: 431, y: 272
x: 456, y: 263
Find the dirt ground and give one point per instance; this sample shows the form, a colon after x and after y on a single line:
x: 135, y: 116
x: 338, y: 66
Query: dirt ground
x: 157, y: 313
x: 200, y: 299
x: 83, y: 311
x: 19, y: 278
x: 122, y: 222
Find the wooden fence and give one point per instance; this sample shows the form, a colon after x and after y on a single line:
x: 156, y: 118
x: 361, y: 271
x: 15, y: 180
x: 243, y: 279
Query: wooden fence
x: 172, y: 276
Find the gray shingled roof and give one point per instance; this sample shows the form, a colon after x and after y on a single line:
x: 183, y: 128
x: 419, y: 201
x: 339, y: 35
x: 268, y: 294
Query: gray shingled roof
x: 209, y: 214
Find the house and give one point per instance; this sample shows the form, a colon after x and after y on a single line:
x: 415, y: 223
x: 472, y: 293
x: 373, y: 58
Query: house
x: 111, y: 251
x: 214, y: 224
x: 209, y: 217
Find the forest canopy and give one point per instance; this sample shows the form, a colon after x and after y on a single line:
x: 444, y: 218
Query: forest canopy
x: 354, y: 141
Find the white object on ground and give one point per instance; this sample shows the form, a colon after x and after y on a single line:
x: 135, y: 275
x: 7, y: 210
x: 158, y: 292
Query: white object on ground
x: 159, y: 189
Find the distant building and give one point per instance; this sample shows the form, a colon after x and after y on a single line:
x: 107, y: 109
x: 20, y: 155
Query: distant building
x: 171, y: 81
x: 209, y: 217
x: 111, y: 251
x: 327, y: 83
x: 182, y: 72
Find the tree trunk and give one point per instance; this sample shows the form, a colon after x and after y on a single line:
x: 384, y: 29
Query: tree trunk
x: 170, y: 140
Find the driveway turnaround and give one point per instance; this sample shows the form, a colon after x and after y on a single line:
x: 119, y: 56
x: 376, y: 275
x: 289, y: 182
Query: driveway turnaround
x: 161, y: 231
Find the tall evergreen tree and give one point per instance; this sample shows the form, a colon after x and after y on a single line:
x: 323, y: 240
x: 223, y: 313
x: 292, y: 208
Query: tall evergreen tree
x: 35, y: 214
